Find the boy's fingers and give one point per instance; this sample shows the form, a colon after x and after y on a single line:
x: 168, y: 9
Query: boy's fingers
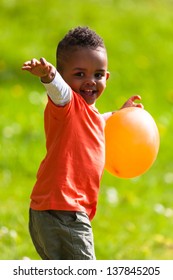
x: 34, y: 62
x: 43, y: 61
x: 26, y: 67
x: 27, y: 63
x: 140, y: 105
x: 134, y: 97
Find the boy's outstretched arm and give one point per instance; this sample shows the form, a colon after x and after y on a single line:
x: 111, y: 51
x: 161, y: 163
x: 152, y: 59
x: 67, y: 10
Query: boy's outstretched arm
x: 57, y: 89
x: 40, y: 68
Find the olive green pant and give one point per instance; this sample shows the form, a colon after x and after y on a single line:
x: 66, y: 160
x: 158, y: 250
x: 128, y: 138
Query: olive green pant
x: 61, y: 235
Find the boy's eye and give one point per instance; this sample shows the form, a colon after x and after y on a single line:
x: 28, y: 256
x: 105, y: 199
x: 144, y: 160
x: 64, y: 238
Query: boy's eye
x: 99, y: 75
x: 79, y: 74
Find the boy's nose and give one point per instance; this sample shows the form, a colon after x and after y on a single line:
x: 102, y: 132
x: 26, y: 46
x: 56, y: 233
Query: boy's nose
x: 90, y: 82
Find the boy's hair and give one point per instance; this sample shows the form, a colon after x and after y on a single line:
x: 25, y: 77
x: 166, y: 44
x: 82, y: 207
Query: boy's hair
x: 80, y: 37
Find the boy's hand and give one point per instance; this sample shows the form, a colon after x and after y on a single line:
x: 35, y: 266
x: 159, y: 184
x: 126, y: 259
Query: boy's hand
x: 130, y: 102
x: 40, y: 68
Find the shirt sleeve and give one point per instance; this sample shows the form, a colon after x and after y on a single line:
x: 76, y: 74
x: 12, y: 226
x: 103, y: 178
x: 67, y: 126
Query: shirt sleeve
x: 106, y: 115
x: 58, y: 90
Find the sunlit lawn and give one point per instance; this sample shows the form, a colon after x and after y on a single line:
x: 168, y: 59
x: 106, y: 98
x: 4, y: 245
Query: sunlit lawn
x: 135, y: 217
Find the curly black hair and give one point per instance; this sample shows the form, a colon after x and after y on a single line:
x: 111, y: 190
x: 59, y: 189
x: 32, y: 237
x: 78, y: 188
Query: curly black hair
x: 80, y: 37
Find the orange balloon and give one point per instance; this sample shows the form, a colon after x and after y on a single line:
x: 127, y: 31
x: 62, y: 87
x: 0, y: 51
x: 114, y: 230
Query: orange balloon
x: 132, y: 142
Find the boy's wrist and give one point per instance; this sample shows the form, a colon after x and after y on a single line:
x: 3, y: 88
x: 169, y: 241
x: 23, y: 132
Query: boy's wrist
x: 48, y: 78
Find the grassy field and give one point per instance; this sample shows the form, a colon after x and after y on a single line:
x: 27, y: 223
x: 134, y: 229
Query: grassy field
x: 135, y: 217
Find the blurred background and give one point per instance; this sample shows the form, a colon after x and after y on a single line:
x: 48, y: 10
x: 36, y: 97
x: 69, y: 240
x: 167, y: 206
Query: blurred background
x: 134, y: 219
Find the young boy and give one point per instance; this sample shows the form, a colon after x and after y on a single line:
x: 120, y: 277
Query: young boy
x: 64, y: 198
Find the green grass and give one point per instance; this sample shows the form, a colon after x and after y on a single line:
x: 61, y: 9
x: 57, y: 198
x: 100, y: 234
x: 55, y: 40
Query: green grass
x: 135, y: 217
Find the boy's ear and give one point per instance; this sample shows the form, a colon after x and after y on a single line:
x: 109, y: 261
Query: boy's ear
x: 107, y: 75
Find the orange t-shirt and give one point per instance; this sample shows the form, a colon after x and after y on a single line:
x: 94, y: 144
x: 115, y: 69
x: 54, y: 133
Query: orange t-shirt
x: 69, y: 176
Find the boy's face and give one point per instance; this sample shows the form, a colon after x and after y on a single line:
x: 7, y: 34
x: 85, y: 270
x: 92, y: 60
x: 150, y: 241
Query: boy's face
x: 85, y: 71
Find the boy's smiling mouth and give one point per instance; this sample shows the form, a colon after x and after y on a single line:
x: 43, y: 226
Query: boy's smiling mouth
x: 88, y: 92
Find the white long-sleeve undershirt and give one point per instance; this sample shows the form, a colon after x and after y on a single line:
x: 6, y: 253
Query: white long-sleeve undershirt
x: 58, y: 90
